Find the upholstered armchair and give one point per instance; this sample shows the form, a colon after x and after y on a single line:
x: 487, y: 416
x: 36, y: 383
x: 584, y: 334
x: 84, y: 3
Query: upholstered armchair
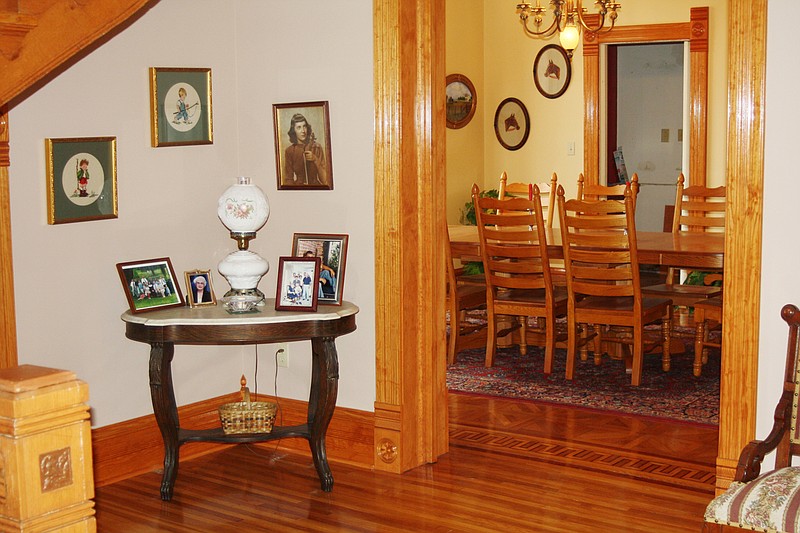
x: 768, y: 501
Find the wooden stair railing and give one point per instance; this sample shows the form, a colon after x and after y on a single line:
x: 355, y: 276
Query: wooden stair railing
x: 37, y: 37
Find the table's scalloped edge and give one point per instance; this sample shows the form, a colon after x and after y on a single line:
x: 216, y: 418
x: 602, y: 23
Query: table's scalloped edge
x: 217, y: 315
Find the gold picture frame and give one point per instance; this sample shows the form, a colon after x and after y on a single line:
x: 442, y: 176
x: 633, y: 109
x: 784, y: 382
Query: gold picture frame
x: 195, y: 295
x: 180, y: 106
x: 81, y: 179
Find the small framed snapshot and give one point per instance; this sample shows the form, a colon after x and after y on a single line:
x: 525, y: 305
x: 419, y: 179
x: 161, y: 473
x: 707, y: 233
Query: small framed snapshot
x: 199, y: 290
x: 552, y: 71
x: 180, y: 106
x: 332, y: 250
x: 303, y: 146
x: 296, y: 277
x: 150, y: 284
x: 462, y: 99
x: 512, y: 124
x: 81, y: 179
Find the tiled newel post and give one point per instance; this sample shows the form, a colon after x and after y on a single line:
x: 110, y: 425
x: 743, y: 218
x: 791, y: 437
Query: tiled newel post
x: 46, y: 481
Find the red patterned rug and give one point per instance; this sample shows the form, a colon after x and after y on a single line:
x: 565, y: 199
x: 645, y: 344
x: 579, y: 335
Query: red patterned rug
x: 676, y: 394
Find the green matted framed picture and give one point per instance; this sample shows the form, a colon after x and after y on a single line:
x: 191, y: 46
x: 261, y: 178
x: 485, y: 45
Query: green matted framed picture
x: 81, y: 179
x: 180, y: 106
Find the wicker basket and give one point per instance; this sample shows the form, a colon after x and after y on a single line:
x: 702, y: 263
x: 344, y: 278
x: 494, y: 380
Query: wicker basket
x: 246, y: 416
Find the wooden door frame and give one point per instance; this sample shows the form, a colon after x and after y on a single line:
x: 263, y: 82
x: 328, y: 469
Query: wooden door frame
x: 409, y: 159
x: 695, y: 31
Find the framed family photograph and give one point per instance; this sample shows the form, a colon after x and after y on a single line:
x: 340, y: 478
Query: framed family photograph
x: 296, y: 277
x: 81, y: 179
x: 331, y: 249
x: 552, y: 71
x: 150, y: 284
x: 512, y: 125
x: 303, y: 146
x: 180, y: 106
x: 199, y: 290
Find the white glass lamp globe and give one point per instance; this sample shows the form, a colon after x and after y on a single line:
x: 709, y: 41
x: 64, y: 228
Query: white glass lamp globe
x: 243, y: 209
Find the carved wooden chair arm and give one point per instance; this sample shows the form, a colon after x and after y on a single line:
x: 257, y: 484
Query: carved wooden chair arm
x: 753, y: 454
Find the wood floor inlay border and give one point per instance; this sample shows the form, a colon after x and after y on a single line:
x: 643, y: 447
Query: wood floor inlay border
x: 685, y: 474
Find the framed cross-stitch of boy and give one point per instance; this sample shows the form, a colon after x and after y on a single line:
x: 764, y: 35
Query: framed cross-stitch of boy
x: 180, y: 106
x: 81, y: 179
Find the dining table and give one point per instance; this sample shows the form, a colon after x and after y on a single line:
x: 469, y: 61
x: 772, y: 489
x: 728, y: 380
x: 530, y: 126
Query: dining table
x: 679, y: 250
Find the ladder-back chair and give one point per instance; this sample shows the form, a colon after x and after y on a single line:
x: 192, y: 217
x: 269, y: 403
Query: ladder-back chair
x: 517, y: 269
x: 599, y: 240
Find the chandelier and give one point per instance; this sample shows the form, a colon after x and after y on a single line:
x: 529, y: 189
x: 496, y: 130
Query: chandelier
x: 567, y: 20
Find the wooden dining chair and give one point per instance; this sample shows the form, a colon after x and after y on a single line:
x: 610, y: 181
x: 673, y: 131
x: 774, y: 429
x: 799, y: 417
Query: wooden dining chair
x: 464, y: 293
x: 599, y: 242
x: 697, y: 209
x: 595, y: 191
x: 707, y: 315
x: 547, y: 193
x: 768, y: 501
x: 517, y: 269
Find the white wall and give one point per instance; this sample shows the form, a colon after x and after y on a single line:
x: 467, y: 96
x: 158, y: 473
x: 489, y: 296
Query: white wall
x: 69, y: 296
x: 780, y: 283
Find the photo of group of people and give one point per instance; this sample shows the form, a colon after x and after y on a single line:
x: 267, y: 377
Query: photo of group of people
x: 332, y: 252
x: 150, y: 284
x: 296, y: 287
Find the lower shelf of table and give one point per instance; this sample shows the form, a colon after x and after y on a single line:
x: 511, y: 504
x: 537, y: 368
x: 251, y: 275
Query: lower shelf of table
x: 218, y: 435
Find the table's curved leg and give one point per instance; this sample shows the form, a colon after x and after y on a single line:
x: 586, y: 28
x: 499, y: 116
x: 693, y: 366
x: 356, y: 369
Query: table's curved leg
x: 165, y: 410
x: 321, y: 403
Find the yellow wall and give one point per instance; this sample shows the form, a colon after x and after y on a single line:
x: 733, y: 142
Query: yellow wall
x: 465, y: 145
x: 508, y: 56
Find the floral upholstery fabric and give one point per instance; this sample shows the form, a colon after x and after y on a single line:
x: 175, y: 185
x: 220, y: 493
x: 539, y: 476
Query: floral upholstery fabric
x: 771, y: 502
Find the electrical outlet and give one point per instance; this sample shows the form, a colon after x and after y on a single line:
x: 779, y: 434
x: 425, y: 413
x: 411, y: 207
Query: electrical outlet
x: 283, y: 355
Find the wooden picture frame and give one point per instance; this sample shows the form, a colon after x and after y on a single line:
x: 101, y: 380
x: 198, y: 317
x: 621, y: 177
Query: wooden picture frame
x: 296, y: 277
x: 81, y: 179
x: 150, y: 284
x: 303, y: 146
x: 461, y: 101
x: 332, y: 251
x: 552, y: 71
x: 199, y: 288
x: 180, y: 106
x: 512, y: 125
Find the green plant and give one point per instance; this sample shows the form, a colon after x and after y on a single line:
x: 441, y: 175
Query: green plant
x: 468, y: 212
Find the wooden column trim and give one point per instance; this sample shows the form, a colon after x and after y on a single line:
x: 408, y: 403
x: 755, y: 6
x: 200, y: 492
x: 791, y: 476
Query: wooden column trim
x: 698, y: 93
x: 410, y: 407
x: 747, y: 32
x: 8, y: 321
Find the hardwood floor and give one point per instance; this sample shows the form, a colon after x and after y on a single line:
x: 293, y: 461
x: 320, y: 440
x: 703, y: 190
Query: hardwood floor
x: 512, y: 466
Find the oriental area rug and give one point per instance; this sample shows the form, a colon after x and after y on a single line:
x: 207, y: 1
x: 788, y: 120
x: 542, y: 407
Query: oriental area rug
x: 676, y: 394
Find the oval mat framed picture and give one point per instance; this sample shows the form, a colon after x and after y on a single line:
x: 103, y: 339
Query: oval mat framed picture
x: 512, y: 124
x: 552, y: 71
x: 461, y: 101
